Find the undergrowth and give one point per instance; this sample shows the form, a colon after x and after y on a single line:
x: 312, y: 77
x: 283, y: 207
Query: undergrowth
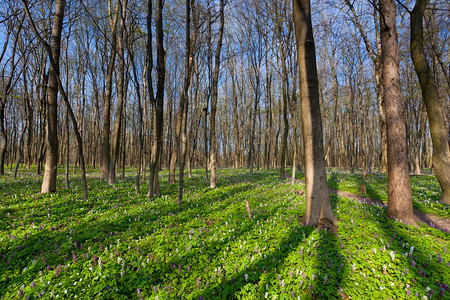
x: 118, y: 245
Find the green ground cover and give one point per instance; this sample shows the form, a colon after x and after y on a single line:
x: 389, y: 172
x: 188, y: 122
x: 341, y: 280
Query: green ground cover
x: 121, y: 246
x: 425, y: 189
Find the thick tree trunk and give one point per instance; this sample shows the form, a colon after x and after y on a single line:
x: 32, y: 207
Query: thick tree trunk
x: 54, y: 62
x: 438, y: 128
x: 318, y: 206
x: 51, y: 162
x: 399, y: 197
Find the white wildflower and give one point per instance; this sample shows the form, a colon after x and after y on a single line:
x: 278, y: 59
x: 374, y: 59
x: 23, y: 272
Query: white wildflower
x: 392, y: 254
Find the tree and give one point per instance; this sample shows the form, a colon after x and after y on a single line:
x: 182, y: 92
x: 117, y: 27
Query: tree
x: 53, y: 54
x: 399, y: 190
x: 184, y: 105
x: 283, y: 45
x: 51, y: 163
x: 438, y: 128
x: 157, y: 102
x: 120, y: 95
x: 375, y: 56
x: 8, y: 82
x: 106, y: 156
x: 214, y: 96
x: 318, y: 206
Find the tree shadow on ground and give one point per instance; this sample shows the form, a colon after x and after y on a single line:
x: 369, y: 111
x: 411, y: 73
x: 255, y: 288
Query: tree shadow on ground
x: 233, y: 282
x: 422, y: 263
x: 331, y: 268
x: 90, y: 232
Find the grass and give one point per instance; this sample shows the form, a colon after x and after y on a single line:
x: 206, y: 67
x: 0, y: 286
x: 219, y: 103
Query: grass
x: 121, y: 246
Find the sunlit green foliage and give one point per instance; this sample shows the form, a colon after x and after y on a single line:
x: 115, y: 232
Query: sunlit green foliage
x: 121, y: 246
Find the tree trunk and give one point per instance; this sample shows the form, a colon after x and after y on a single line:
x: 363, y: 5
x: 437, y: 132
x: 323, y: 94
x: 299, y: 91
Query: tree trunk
x: 318, y: 206
x: 66, y: 175
x: 51, y: 162
x: 399, y: 191
x: 120, y: 98
x: 438, y: 128
x: 293, y: 105
x: 106, y: 156
x: 235, y: 117
x: 54, y: 63
x: 184, y: 105
x: 19, y: 152
x: 214, y: 96
x: 158, y: 102
x: 140, y: 118
x: 3, y: 137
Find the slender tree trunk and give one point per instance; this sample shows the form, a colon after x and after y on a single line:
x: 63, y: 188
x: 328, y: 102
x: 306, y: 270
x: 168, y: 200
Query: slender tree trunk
x: 318, y: 206
x: 214, y: 96
x: 30, y: 130
x: 20, y: 153
x: 3, y: 137
x: 120, y: 98
x: 106, y: 155
x: 184, y: 105
x: 205, y: 139
x: 158, y: 102
x: 285, y: 122
x: 66, y: 175
x: 236, y: 158
x: 399, y: 197
x: 140, y: 119
x: 268, y: 131
x: 175, y: 148
x: 438, y: 126
x: 293, y: 105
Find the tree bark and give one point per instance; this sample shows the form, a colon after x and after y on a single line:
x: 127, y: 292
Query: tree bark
x: 106, y: 155
x: 293, y: 106
x: 3, y: 137
x: 54, y: 63
x: 318, y: 206
x: 184, y: 105
x: 140, y: 118
x: 158, y: 102
x: 438, y: 128
x: 214, y: 96
x: 51, y: 162
x: 120, y: 97
x: 399, y: 191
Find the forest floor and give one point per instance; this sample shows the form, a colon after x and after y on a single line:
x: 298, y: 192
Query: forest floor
x: 118, y: 245
x: 430, y: 219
